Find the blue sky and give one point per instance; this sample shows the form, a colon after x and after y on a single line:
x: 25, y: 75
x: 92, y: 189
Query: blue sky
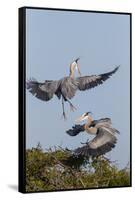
x: 102, y: 41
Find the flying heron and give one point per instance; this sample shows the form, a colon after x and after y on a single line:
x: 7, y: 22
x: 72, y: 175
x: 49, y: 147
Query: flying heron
x: 67, y: 86
x: 105, y: 136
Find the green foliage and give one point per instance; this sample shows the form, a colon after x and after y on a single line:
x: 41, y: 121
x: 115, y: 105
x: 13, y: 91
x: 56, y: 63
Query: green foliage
x: 59, y: 169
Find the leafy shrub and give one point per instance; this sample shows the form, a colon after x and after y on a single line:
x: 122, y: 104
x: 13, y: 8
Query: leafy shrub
x: 60, y: 170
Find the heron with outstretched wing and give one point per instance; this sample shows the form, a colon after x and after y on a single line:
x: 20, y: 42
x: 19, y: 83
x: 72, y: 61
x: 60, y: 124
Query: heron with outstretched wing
x: 67, y: 86
x: 105, y: 136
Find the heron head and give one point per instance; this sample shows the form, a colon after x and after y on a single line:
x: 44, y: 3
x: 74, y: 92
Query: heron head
x: 75, y: 65
x: 83, y: 117
x: 77, y: 60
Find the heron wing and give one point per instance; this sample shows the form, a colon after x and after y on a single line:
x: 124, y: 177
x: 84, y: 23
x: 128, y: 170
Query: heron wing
x: 88, y: 82
x: 43, y: 91
x: 101, y: 144
x: 102, y: 122
x: 75, y: 130
x: 105, y: 123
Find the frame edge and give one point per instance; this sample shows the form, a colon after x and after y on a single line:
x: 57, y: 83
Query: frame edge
x: 21, y: 99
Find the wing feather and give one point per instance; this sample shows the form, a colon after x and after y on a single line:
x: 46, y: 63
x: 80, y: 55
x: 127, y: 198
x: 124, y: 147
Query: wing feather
x: 101, y: 144
x: 106, y: 122
x: 43, y: 91
x: 75, y: 130
x: 88, y: 82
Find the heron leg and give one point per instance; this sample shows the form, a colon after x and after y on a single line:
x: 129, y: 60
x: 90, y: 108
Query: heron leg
x: 63, y: 109
x: 72, y: 107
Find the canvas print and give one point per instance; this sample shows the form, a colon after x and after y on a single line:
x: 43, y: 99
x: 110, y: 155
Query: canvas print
x: 75, y: 88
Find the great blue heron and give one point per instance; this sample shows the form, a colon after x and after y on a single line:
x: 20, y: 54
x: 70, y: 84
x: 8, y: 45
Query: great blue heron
x: 104, y: 139
x: 67, y: 86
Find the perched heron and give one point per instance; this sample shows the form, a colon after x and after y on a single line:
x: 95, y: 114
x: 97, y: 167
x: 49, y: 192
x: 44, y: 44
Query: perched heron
x: 67, y: 86
x: 105, y: 136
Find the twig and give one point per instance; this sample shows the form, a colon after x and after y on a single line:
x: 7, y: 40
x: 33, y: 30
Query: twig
x: 71, y: 170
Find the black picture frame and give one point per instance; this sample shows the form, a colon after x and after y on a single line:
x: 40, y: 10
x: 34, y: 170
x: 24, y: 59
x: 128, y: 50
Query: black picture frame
x: 22, y: 93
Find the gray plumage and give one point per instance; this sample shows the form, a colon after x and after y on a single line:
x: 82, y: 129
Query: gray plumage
x: 88, y: 82
x: 67, y: 86
x: 77, y: 128
x: 43, y: 91
x: 103, y: 142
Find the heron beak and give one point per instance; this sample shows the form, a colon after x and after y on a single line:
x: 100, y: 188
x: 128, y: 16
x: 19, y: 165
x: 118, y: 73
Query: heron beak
x: 77, y: 60
x: 77, y: 66
x: 89, y: 112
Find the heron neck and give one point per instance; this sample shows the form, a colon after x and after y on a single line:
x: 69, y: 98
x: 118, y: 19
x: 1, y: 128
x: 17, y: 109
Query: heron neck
x: 71, y: 72
x: 88, y: 123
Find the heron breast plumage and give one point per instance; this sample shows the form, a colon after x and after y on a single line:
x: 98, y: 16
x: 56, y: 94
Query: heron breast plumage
x: 68, y: 87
